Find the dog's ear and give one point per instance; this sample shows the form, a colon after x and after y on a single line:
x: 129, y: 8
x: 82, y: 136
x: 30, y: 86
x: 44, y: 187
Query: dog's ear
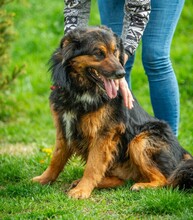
x: 59, y: 76
x: 69, y: 48
x: 70, y: 44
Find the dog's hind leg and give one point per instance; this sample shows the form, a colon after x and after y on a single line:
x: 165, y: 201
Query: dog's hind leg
x: 141, y: 150
x: 59, y: 158
x: 110, y: 182
x: 106, y: 182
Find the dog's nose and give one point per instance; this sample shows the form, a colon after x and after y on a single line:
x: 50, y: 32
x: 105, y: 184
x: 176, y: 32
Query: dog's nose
x: 120, y: 73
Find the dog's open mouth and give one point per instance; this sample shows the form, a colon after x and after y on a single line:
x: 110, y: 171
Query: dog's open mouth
x: 104, y: 83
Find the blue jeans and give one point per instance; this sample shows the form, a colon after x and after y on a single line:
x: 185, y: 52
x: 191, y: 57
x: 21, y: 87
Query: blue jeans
x: 156, y: 42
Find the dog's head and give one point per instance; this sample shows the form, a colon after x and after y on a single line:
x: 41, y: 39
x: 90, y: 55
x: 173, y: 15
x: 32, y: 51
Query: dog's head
x: 92, y: 57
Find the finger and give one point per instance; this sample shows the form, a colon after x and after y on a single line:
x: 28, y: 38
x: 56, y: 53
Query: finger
x: 130, y: 99
x: 125, y: 58
x: 126, y: 93
x: 117, y: 83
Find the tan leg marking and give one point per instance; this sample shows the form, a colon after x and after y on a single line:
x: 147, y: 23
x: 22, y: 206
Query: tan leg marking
x: 141, y: 151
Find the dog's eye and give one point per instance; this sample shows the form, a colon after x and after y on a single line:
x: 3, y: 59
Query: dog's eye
x: 99, y: 54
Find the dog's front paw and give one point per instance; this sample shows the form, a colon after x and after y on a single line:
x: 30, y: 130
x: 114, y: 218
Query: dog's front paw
x: 42, y: 180
x: 79, y: 193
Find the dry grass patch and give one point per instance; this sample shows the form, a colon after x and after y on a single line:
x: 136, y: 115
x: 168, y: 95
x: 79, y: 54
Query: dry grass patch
x: 18, y: 149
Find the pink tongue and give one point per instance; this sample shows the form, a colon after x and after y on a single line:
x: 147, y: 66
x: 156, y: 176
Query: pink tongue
x: 110, y: 88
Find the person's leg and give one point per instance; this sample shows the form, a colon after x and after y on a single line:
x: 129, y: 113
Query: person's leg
x: 111, y: 14
x: 156, y: 43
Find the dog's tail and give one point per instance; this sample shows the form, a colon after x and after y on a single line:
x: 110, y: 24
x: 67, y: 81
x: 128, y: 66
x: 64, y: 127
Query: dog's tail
x: 182, y: 177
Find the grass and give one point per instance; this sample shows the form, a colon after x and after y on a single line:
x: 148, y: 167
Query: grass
x: 20, y: 199
x: 27, y: 131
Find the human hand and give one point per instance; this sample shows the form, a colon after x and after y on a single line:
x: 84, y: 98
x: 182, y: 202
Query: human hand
x: 125, y: 91
x: 125, y: 58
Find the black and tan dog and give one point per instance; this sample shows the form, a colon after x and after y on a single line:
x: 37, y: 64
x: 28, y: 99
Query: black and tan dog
x: 92, y: 121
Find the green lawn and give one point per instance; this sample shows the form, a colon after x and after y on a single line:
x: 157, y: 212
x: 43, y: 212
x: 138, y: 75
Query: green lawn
x: 27, y: 131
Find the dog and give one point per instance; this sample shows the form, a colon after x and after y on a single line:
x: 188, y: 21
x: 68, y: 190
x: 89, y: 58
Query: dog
x: 92, y: 121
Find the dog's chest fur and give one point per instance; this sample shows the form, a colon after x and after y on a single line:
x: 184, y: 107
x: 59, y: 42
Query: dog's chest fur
x: 82, y: 117
x: 69, y: 119
x: 81, y: 126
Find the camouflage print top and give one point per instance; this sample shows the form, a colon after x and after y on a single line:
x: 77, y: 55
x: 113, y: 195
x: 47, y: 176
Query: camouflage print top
x: 136, y: 16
